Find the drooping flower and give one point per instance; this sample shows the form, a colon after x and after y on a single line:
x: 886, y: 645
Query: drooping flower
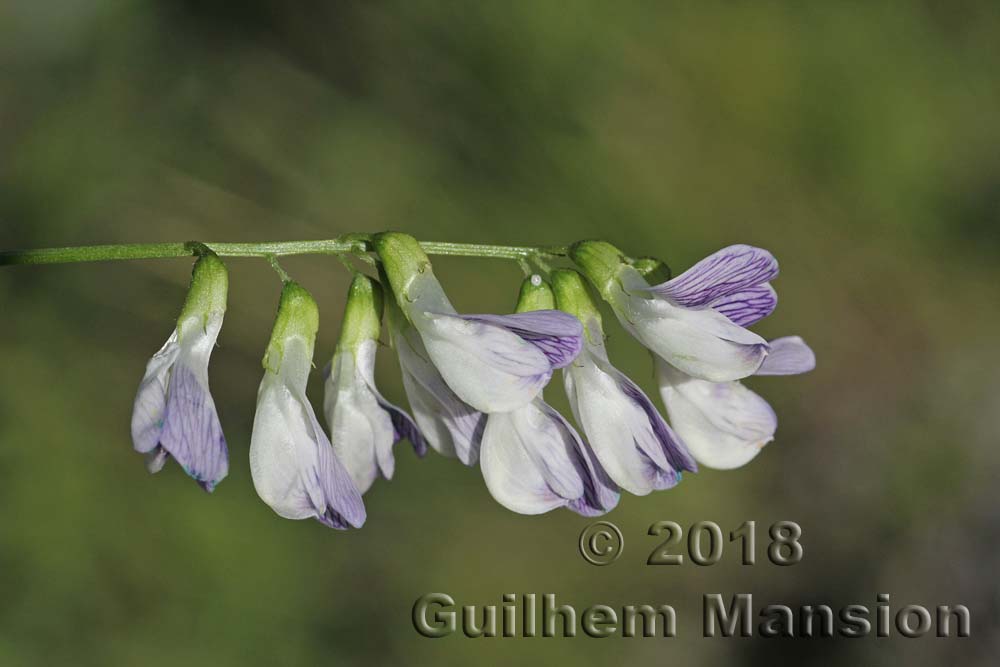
x: 533, y: 460
x: 695, y: 321
x: 632, y: 441
x: 295, y: 469
x: 174, y: 415
x: 725, y: 424
x: 363, y: 425
x: 493, y: 363
x: 450, y: 425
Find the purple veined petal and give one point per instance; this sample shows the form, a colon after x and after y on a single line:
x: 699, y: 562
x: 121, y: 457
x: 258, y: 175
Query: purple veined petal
x: 749, y: 306
x: 403, y: 425
x: 630, y: 440
x: 342, y: 505
x: 449, y: 425
x: 559, y: 335
x: 192, y: 434
x: 676, y: 452
x: 533, y: 461
x: 728, y: 271
x: 788, y: 356
x: 600, y: 494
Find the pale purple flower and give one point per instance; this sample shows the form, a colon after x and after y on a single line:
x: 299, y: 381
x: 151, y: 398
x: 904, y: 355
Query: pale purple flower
x: 174, y: 415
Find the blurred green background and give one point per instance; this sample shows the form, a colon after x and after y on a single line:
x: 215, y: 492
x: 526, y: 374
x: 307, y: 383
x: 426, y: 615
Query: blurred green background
x: 859, y: 142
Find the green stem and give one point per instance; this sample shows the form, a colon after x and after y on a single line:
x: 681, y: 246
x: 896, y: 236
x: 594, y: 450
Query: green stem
x: 348, y: 243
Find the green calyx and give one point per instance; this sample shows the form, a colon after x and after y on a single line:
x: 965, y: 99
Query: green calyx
x: 362, y: 314
x: 573, y: 297
x: 601, y: 262
x: 402, y: 258
x: 536, y: 294
x: 298, y: 317
x: 206, y: 295
x: 653, y: 270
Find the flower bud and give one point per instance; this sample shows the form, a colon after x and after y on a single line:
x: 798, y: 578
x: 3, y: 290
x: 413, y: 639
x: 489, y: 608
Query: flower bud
x: 536, y: 294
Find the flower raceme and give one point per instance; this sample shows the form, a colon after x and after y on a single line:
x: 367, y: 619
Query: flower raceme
x: 294, y: 467
x: 363, y: 425
x: 475, y: 382
x: 533, y: 460
x: 174, y: 415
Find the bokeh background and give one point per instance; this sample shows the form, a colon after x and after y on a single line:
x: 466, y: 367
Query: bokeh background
x: 859, y: 142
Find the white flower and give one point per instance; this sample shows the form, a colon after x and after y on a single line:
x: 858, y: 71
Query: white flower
x: 632, y: 441
x: 724, y: 424
x: 363, y: 425
x: 294, y: 468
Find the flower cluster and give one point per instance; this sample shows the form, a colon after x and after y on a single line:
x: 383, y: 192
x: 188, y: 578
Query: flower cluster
x: 475, y: 383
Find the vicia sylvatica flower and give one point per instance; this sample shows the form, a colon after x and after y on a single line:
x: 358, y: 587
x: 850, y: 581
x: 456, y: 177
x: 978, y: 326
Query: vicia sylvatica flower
x: 696, y: 320
x: 474, y: 382
x: 532, y: 459
x: 363, y: 425
x: 725, y: 424
x: 450, y: 425
x: 295, y: 469
x: 493, y: 363
x: 632, y: 441
x: 174, y: 415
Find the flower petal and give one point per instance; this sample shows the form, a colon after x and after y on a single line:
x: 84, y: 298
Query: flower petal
x: 724, y: 425
x: 192, y: 434
x: 702, y: 343
x: 151, y: 399
x: 533, y: 461
x: 361, y: 432
x: 788, y: 356
x: 748, y: 306
x: 631, y: 440
x: 728, y: 271
x: 486, y: 365
x: 293, y: 465
x: 342, y: 506
x: 559, y: 335
x: 451, y: 426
